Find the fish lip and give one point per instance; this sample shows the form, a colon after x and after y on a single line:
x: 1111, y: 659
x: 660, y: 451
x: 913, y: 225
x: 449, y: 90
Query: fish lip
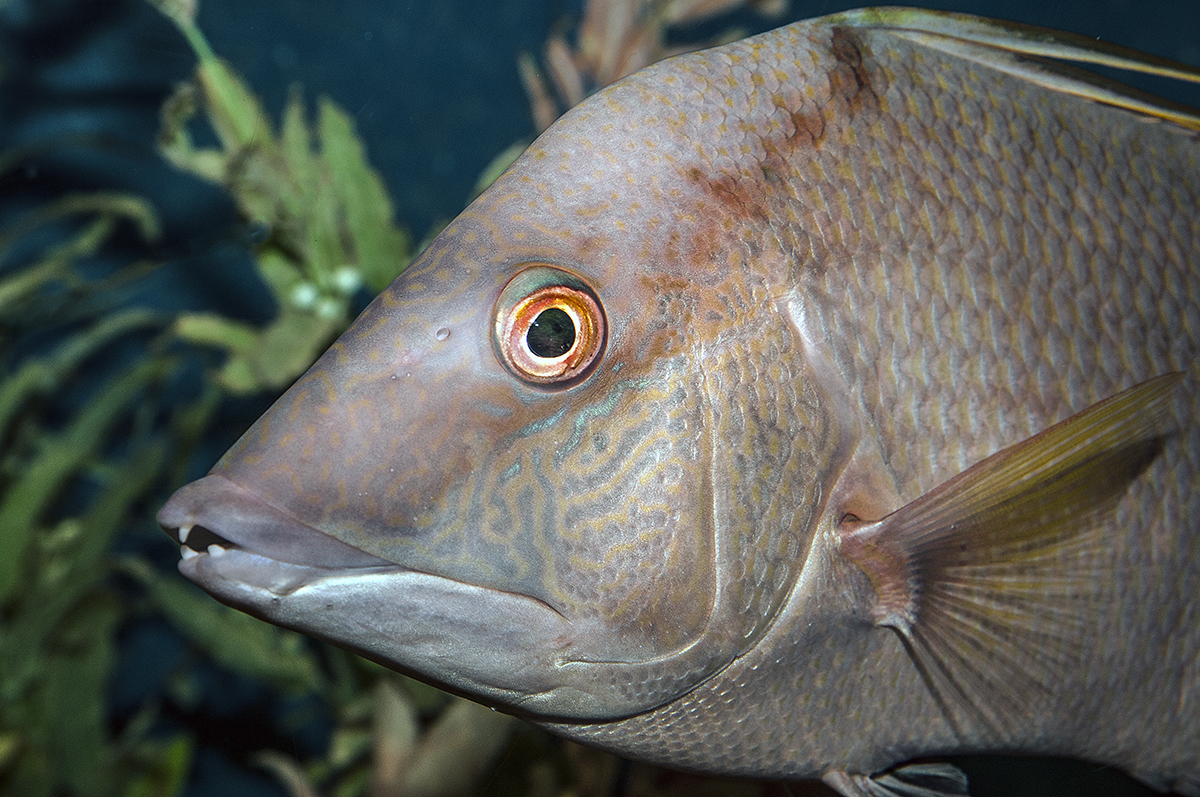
x: 251, y: 570
x: 500, y: 648
x: 238, y: 519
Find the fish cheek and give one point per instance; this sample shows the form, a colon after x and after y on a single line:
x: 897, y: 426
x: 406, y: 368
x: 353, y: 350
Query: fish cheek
x: 633, y: 542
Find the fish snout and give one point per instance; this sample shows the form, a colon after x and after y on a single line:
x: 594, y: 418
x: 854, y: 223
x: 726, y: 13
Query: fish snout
x: 214, y: 515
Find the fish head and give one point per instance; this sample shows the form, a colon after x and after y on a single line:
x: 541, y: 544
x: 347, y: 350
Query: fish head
x: 562, y: 465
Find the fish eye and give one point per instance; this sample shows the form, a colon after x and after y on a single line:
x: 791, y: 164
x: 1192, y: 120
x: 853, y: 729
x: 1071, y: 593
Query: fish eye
x: 549, y: 327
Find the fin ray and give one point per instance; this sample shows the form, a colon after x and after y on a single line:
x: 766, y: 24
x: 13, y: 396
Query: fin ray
x: 1036, y: 54
x: 909, y: 780
x: 993, y: 578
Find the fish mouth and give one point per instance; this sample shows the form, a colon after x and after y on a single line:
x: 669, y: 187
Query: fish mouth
x: 499, y: 647
x: 214, y: 516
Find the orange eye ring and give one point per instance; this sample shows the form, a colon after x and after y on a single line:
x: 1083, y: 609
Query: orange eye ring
x: 549, y: 328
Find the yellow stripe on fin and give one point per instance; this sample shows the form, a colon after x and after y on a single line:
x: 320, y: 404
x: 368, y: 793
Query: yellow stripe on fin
x: 1033, y: 54
x: 992, y: 579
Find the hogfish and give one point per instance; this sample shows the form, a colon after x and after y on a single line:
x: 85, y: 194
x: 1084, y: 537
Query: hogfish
x: 791, y: 409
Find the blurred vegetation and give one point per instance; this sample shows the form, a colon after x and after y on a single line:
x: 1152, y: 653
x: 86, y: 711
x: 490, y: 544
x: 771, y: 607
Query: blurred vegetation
x: 325, y: 216
x: 57, y: 639
x: 95, y: 431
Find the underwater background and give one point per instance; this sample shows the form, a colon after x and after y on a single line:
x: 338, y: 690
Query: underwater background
x: 163, y: 278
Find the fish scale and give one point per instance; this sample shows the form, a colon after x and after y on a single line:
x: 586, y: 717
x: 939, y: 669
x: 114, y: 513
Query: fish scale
x: 886, y: 447
x: 1036, y: 328
x: 943, y: 439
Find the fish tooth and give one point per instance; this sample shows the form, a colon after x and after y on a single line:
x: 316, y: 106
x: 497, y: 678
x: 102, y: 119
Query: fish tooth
x: 184, y: 531
x: 215, y: 550
x: 187, y: 553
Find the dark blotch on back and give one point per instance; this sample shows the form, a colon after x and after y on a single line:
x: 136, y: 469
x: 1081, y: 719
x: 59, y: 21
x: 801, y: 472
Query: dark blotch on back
x: 851, y: 82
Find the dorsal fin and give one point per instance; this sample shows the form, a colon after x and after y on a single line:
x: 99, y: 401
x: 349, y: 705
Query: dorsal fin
x: 1036, y: 55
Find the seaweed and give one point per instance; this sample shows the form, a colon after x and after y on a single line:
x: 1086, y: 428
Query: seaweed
x: 324, y: 215
x: 94, y: 431
x: 68, y: 486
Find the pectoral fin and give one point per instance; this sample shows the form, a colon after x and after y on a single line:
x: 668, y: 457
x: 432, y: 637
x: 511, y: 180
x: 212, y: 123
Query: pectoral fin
x: 992, y: 579
x: 912, y: 780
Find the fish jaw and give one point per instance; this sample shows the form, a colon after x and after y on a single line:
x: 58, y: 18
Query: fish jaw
x: 500, y: 648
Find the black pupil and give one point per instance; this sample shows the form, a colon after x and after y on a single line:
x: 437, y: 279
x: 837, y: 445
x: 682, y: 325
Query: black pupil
x: 552, y: 333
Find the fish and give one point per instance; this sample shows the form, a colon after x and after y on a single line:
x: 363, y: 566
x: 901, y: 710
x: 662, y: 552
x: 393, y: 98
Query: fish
x: 795, y: 409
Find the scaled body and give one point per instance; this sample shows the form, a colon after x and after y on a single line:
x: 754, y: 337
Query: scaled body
x: 838, y: 264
